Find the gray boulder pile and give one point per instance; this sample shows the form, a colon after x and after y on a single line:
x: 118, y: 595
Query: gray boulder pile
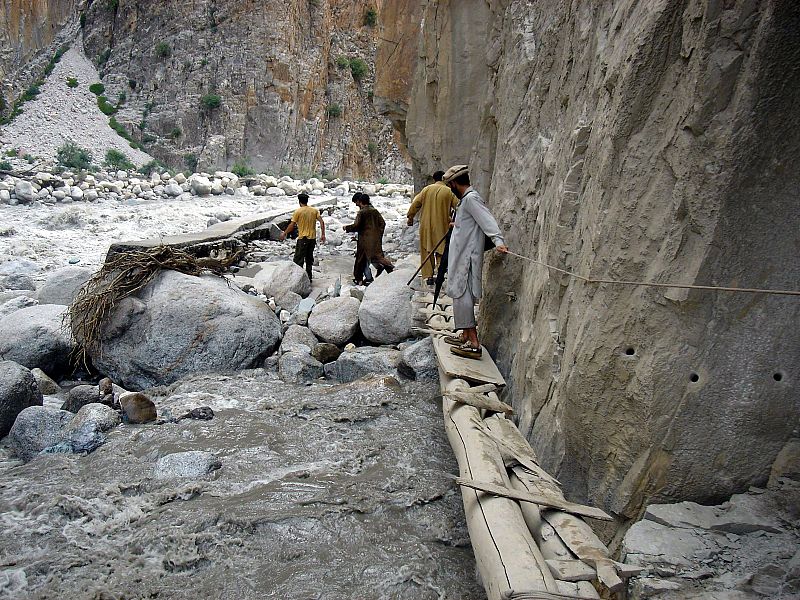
x: 748, y: 547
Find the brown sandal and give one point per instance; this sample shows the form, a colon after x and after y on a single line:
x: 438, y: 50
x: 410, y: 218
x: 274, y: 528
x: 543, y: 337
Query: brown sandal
x: 455, y: 340
x: 467, y: 351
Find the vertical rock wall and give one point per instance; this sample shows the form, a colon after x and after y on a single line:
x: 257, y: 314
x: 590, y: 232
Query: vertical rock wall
x: 646, y: 140
x: 273, y: 65
x: 27, y: 29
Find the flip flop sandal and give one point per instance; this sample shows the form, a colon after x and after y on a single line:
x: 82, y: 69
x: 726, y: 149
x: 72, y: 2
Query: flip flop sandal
x: 455, y: 340
x: 467, y: 351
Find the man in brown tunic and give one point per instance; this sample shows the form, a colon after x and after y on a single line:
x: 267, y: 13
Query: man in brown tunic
x: 369, y: 225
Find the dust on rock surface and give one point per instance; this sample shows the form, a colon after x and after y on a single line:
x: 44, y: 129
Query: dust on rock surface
x: 324, y: 491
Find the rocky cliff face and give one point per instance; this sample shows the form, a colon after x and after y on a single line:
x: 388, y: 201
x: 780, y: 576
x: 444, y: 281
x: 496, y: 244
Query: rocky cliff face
x: 634, y: 140
x: 27, y: 29
x: 290, y: 97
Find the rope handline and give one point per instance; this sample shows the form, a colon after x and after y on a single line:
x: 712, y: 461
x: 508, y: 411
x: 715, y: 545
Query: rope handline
x: 661, y: 285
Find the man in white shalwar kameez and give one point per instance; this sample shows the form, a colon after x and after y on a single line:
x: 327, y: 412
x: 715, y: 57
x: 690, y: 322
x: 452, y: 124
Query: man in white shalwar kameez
x: 465, y: 261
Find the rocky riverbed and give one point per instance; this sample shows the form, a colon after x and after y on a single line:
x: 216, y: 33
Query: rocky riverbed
x: 307, y: 480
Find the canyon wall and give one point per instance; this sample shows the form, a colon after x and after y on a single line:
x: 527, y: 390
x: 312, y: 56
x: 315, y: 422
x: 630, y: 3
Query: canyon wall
x: 29, y: 30
x: 288, y: 99
x: 649, y: 140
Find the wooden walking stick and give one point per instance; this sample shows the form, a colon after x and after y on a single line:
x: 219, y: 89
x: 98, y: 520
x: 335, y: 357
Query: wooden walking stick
x: 428, y: 258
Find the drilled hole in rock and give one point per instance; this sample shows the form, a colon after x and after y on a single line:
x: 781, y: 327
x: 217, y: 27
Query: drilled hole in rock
x: 777, y: 376
x: 694, y: 377
x: 630, y: 351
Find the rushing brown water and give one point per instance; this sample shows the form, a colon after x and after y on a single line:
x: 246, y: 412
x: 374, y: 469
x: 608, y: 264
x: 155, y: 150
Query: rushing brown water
x: 326, y: 492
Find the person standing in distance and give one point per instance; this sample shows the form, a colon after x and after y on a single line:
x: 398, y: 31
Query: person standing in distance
x: 473, y: 223
x: 305, y: 219
x: 436, y: 203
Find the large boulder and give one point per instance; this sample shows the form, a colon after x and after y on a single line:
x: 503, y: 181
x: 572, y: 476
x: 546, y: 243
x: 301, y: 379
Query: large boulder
x: 419, y: 361
x: 86, y: 431
x: 385, y: 313
x: 62, y: 285
x: 14, y: 304
x: 299, y: 367
x: 287, y: 276
x: 80, y: 396
x: 18, y: 391
x: 201, y: 186
x: 336, y: 320
x: 193, y: 464
x: 24, y: 191
x: 356, y: 363
x: 298, y: 338
x: 37, y: 428
x: 19, y: 282
x: 181, y: 324
x: 36, y: 337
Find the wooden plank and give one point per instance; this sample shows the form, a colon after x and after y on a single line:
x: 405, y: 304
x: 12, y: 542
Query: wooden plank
x: 480, y: 401
x: 578, y: 509
x: 607, y: 574
x: 577, y: 535
x: 571, y: 570
x: 477, y: 371
x: 505, y: 552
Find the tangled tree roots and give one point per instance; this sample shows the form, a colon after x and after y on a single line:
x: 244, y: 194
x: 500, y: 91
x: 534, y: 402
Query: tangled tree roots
x: 122, y: 275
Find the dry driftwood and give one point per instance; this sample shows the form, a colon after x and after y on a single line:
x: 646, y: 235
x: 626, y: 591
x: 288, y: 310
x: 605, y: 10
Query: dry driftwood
x: 480, y: 401
x: 571, y: 507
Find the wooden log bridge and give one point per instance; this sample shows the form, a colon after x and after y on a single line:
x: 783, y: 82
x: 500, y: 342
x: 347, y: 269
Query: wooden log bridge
x: 529, y: 541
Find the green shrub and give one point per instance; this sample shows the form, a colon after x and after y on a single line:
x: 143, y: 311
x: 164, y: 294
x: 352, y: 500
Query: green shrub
x: 72, y: 82
x: 122, y: 132
x: 204, y: 62
x: 73, y: 156
x: 370, y: 95
x: 97, y: 88
x: 190, y: 160
x: 163, y: 50
x: 371, y: 17
x: 372, y: 148
x: 132, y: 84
x: 210, y: 101
x: 112, y: 4
x: 342, y: 62
x: 334, y: 110
x: 118, y: 160
x: 105, y: 106
x: 83, y: 20
x: 31, y: 92
x: 358, y: 68
x: 29, y: 157
x: 149, y: 168
x: 175, y: 133
x: 121, y: 99
x: 148, y: 139
x: 383, y: 180
x: 13, y: 153
x: 241, y: 168
x: 5, y: 165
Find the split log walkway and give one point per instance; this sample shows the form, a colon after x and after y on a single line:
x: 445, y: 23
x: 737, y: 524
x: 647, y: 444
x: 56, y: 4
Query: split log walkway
x: 529, y: 541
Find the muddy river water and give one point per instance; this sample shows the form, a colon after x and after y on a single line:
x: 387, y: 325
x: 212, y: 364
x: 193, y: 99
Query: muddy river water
x: 325, y: 492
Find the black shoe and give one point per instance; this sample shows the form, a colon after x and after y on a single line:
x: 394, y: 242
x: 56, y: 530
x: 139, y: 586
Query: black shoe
x: 368, y: 281
x: 430, y: 281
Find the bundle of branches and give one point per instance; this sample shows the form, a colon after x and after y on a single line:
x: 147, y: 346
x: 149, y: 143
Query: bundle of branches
x: 122, y: 275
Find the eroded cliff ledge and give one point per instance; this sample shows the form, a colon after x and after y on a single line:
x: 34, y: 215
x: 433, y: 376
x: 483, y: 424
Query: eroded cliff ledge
x: 637, y: 140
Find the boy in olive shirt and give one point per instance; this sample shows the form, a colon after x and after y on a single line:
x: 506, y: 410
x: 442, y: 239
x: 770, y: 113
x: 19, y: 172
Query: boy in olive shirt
x: 305, y: 219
